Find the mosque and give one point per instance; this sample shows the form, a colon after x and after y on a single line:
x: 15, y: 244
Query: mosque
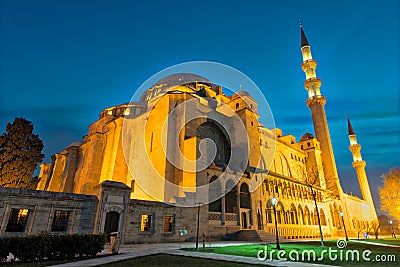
x: 235, y: 194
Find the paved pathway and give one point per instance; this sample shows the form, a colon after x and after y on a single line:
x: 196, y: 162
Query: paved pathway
x: 140, y: 250
x: 375, y: 243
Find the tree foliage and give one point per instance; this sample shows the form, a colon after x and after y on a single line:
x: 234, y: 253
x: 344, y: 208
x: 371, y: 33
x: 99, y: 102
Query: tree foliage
x: 20, y: 152
x: 390, y: 193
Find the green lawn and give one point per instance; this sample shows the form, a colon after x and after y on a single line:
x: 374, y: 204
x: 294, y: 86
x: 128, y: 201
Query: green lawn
x: 173, y: 261
x: 295, y: 250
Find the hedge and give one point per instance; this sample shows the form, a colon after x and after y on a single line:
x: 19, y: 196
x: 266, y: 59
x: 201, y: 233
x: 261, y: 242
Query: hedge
x: 45, y: 245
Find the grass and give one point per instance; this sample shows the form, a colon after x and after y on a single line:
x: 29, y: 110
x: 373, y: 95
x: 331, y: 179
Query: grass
x: 172, y: 261
x: 295, y: 249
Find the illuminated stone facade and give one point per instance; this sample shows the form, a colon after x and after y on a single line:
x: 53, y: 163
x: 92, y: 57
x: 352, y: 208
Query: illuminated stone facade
x: 293, y: 171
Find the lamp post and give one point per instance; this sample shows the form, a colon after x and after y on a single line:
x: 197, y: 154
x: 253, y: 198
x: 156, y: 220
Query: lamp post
x: 198, y: 225
x: 274, y: 201
x: 391, y: 228
x: 344, y: 226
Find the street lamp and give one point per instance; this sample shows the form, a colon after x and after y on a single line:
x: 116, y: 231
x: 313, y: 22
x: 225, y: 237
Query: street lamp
x: 274, y: 201
x: 391, y: 228
x: 344, y: 226
x: 198, y: 224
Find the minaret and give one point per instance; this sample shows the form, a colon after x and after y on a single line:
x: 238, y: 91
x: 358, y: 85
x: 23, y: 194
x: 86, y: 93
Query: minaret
x: 359, y: 164
x: 316, y: 103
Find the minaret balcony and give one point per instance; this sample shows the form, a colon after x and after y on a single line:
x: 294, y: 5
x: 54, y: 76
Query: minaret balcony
x: 313, y: 82
x: 309, y: 64
x: 359, y: 164
x: 316, y: 100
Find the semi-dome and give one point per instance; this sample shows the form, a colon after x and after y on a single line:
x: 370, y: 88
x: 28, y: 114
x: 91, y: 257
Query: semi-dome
x: 241, y: 93
x: 75, y: 144
x: 172, y: 80
x: 306, y: 136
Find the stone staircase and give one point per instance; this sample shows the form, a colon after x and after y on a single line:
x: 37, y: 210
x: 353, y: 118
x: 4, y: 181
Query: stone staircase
x: 256, y: 236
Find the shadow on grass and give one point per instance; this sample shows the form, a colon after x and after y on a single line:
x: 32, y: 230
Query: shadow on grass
x: 173, y: 261
x: 354, y: 254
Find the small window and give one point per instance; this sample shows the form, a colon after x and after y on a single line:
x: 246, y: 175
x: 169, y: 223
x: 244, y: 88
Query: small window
x: 308, y: 144
x: 169, y: 224
x: 60, y: 221
x: 237, y: 105
x: 17, y: 220
x: 251, y: 123
x: 146, y: 223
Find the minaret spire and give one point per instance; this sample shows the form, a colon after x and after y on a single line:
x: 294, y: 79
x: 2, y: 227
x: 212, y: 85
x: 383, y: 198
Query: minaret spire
x: 359, y: 164
x: 304, y: 41
x: 349, y: 126
x: 316, y: 102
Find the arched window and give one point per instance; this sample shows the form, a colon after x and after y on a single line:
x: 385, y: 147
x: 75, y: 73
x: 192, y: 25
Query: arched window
x: 293, y: 214
x: 332, y: 216
x: 231, y: 197
x: 307, y: 216
x: 315, y: 216
x: 300, y: 215
x: 280, y: 213
x: 338, y: 222
x: 245, y: 196
x: 214, y: 191
x: 268, y: 214
x: 210, y: 130
x: 322, y: 217
x: 339, y: 219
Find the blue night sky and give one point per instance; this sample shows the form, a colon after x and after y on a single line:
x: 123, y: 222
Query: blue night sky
x: 63, y: 62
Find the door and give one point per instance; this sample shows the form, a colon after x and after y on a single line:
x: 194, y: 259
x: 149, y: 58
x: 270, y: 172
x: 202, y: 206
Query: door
x: 244, y: 220
x: 112, y: 222
x: 259, y: 222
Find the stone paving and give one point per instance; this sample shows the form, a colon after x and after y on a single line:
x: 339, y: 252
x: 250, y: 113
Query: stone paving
x: 376, y: 243
x: 140, y: 250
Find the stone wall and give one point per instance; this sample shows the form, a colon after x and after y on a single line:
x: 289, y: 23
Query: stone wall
x: 25, y: 212
x: 183, y: 219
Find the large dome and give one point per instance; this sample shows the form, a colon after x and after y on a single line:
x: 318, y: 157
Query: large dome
x: 171, y: 81
x: 306, y: 136
x: 181, y: 78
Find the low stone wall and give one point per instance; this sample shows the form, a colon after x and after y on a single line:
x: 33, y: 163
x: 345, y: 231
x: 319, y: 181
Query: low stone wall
x: 25, y: 212
x: 153, y: 222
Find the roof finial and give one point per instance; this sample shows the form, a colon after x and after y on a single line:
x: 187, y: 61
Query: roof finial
x: 349, y: 126
x: 240, y: 89
x: 304, y: 41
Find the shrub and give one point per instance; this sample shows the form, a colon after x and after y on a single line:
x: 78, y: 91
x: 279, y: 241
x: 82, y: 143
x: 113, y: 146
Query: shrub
x: 4, y: 249
x: 45, y: 245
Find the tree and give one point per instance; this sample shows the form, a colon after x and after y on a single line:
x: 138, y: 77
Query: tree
x: 375, y: 225
x: 20, y: 152
x: 359, y: 226
x: 311, y: 177
x: 390, y: 193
